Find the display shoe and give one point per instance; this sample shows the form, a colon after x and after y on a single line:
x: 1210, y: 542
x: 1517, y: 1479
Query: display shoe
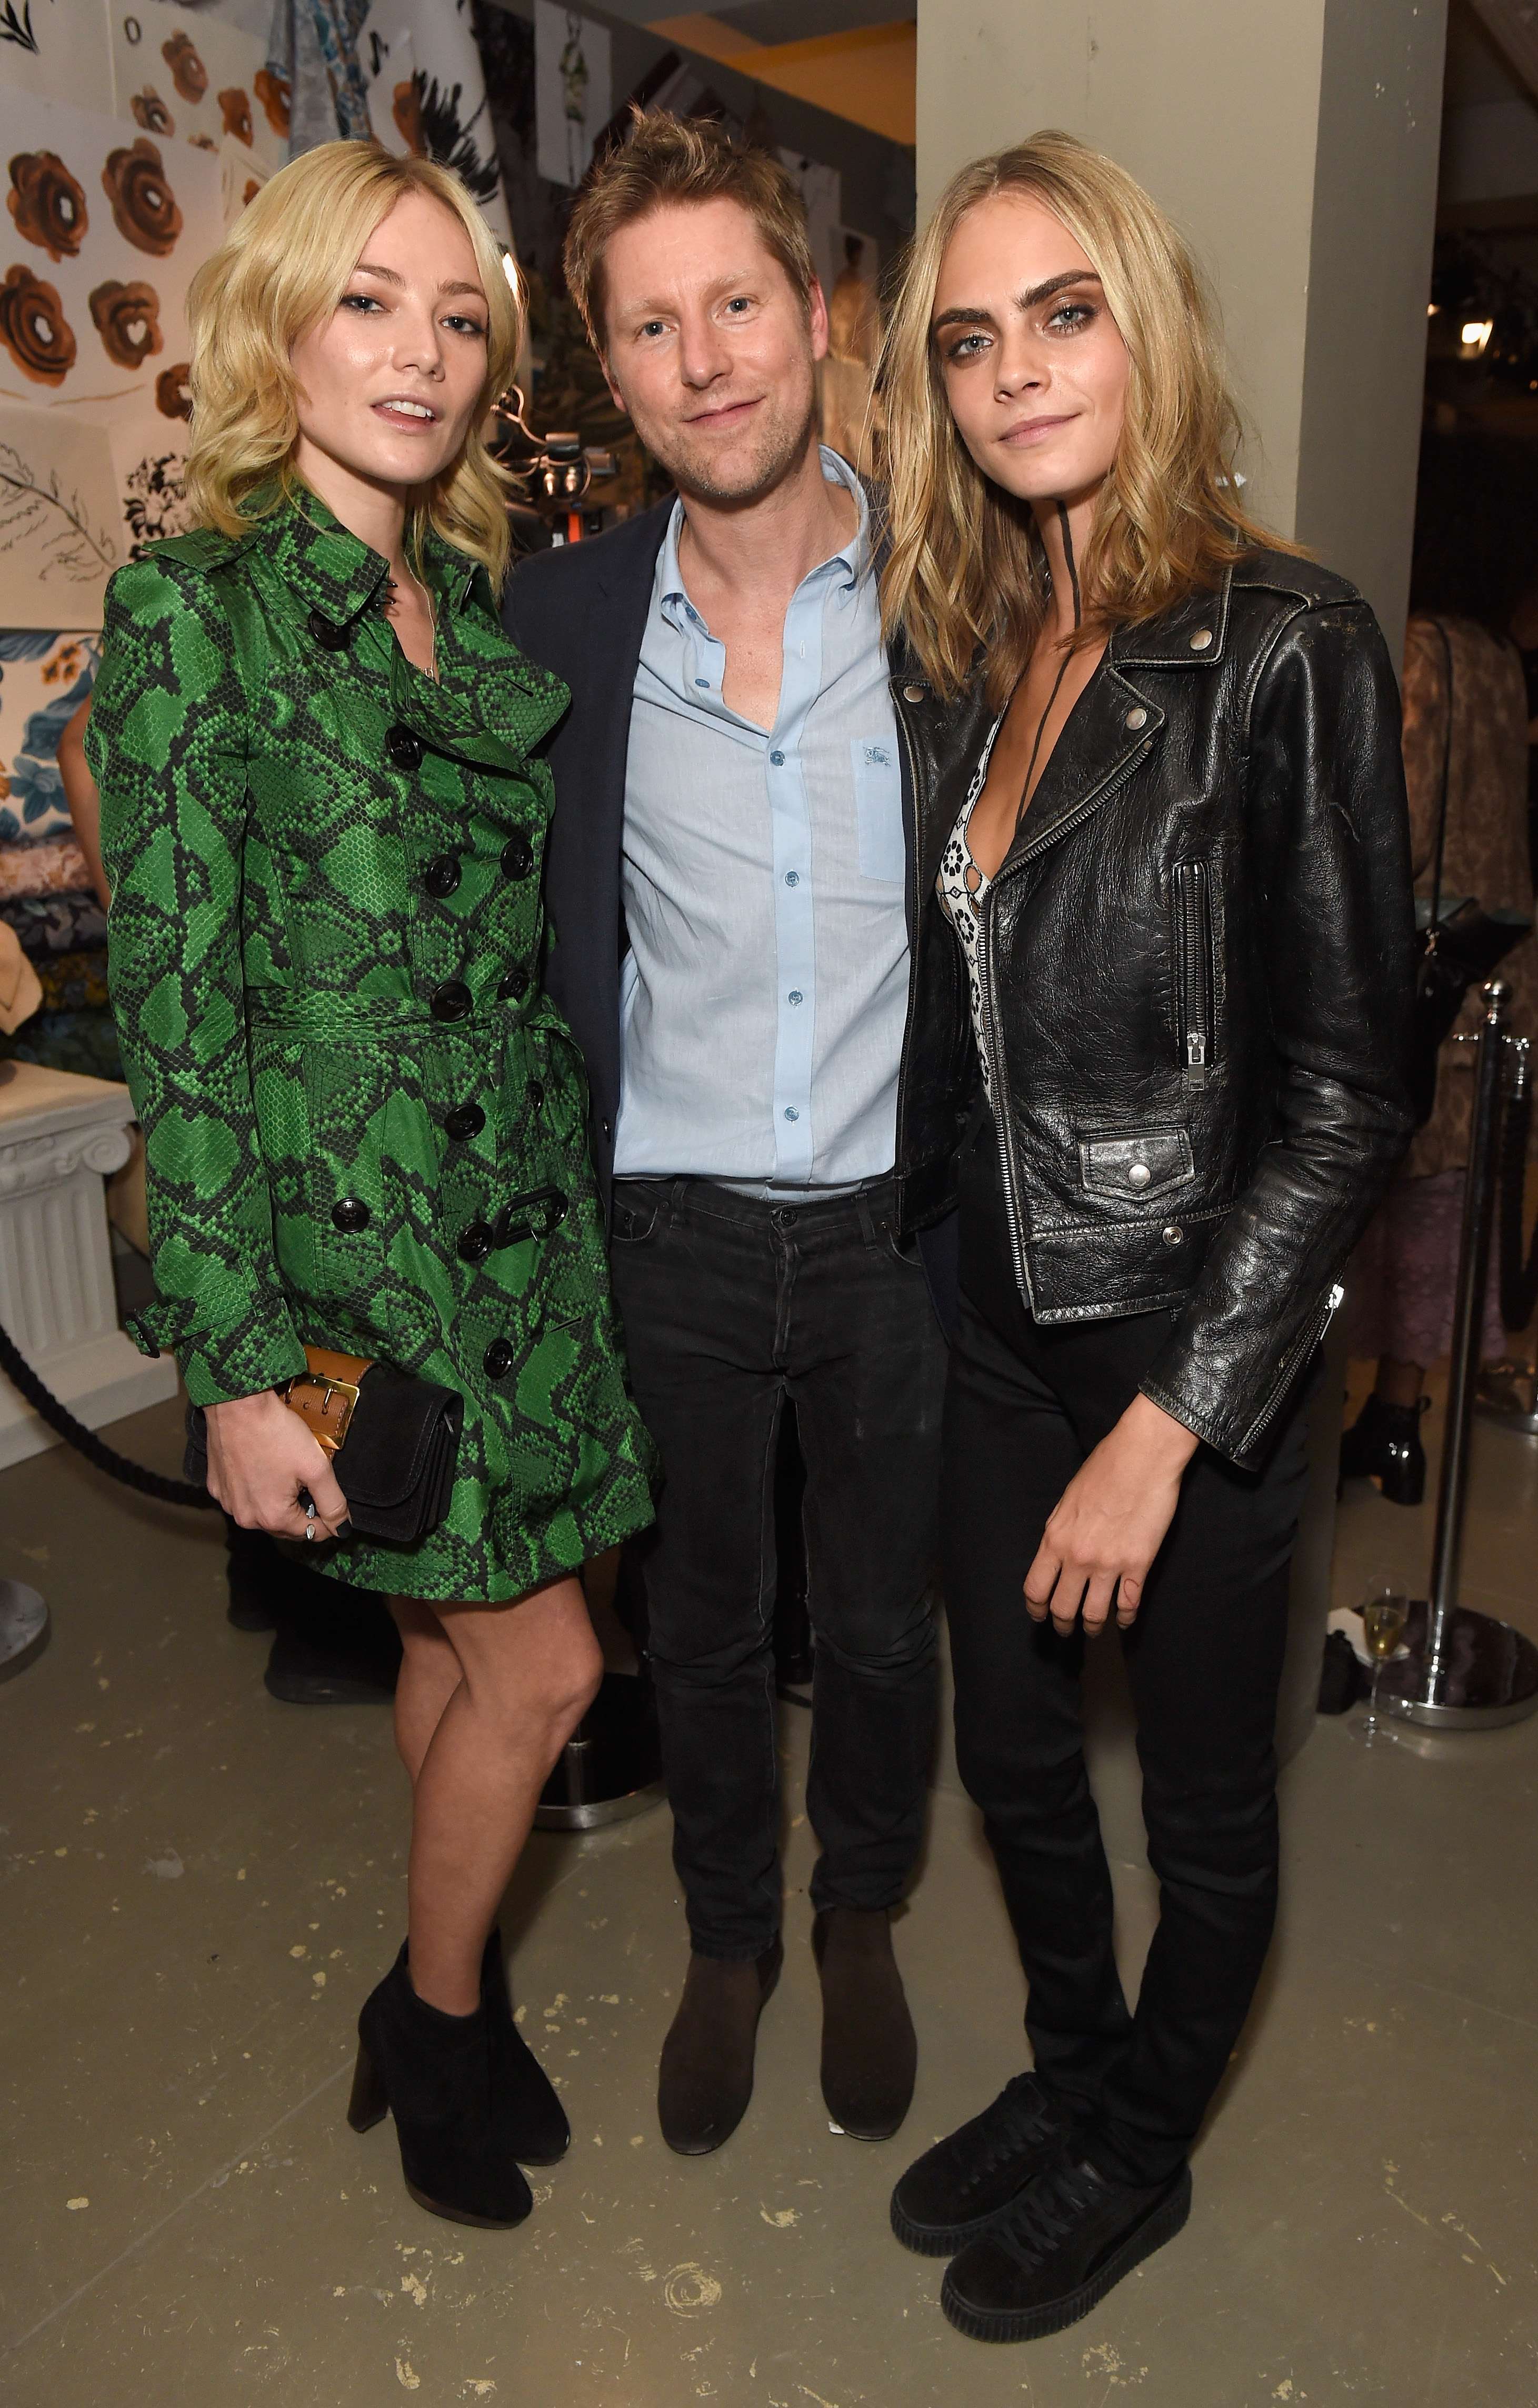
x: 869, y: 2047
x: 949, y: 2194
x: 1383, y: 1444
x: 541, y: 2133
x: 705, y: 2080
x: 1067, y: 2241
x: 439, y: 2076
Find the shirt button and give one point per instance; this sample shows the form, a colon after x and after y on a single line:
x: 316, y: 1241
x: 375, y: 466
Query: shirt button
x: 913, y: 694
x: 705, y: 683
x: 404, y: 746
x: 795, y: 995
x: 791, y: 1112
x: 793, y: 878
x: 465, y: 1121
x: 1174, y: 1234
x: 1138, y: 1174
x: 1200, y: 640
x: 349, y: 1214
x: 1137, y: 718
x: 475, y: 1243
x: 517, y: 857
x: 514, y: 985
x: 778, y: 760
x: 442, y: 875
x: 499, y: 1360
x: 450, y: 1001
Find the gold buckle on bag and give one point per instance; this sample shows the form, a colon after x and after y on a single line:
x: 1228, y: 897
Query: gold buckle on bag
x: 332, y: 1426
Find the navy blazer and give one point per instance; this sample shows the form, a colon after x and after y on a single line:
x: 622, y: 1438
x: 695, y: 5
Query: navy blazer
x: 580, y: 610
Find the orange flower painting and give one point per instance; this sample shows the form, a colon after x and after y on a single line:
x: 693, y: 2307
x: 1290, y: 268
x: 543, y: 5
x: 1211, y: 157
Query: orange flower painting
x: 46, y: 203
x: 34, y: 329
x: 188, y: 72
x: 144, y: 207
x: 235, y: 108
x: 128, y: 319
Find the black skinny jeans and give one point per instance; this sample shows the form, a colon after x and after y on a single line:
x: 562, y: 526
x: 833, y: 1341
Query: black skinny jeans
x: 730, y: 1305
x: 1023, y: 1406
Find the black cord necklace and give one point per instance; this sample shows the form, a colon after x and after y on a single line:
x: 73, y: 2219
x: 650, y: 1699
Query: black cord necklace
x: 1058, y: 682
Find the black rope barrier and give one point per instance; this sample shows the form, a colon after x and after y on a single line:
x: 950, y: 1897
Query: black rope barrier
x: 106, y: 1459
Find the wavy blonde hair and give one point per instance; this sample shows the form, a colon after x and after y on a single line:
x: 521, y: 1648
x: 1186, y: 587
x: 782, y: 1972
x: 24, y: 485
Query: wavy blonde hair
x: 283, y: 266
x: 966, y: 565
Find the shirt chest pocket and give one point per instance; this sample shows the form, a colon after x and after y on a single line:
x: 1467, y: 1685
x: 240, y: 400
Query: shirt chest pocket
x: 877, y: 810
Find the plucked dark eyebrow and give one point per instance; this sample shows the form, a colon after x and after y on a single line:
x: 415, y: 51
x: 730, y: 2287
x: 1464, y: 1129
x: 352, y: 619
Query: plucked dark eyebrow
x: 388, y: 275
x: 1026, y: 300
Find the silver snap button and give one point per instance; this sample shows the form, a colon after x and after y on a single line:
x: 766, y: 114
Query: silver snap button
x: 1174, y: 1234
x: 913, y: 694
x: 1200, y: 640
x: 1138, y: 718
x: 1138, y: 1174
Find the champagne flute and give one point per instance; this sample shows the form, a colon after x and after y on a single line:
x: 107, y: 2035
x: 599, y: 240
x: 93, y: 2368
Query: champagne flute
x: 1385, y: 1611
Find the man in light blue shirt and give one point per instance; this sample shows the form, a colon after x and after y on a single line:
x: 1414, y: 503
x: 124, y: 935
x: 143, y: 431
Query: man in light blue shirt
x: 764, y: 995
x: 733, y: 882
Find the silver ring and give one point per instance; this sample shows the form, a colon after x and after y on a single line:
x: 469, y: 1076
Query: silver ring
x: 310, y: 1530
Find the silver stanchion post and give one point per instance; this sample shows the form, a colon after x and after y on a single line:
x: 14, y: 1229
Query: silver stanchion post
x: 23, y: 1627
x: 1471, y: 1672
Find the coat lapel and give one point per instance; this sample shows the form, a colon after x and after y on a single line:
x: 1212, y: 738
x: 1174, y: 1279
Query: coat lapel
x: 1111, y: 729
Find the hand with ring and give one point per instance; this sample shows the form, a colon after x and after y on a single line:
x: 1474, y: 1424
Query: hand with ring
x: 269, y: 1473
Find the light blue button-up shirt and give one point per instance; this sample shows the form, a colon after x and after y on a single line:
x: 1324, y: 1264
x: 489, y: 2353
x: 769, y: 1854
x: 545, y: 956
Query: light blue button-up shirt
x: 764, y: 997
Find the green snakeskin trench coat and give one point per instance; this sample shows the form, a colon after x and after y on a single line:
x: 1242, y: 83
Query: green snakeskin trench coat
x: 364, y: 1118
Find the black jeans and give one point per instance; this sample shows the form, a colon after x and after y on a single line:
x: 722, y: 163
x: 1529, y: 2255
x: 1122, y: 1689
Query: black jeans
x: 1024, y: 1407
x: 730, y: 1306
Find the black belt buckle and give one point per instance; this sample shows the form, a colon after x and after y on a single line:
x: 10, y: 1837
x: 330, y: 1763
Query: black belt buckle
x: 534, y: 1215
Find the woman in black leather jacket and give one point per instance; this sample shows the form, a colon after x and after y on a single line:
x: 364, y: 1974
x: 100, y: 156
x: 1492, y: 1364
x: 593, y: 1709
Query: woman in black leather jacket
x: 1169, y: 951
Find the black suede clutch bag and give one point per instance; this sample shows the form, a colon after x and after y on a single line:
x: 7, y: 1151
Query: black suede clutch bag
x: 396, y: 1454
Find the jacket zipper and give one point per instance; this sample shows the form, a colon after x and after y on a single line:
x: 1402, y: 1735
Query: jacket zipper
x: 998, y: 1092
x: 1299, y: 1351
x: 1194, y: 941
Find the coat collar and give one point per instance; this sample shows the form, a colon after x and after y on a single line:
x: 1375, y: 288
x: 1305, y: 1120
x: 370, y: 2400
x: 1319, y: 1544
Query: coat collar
x: 1191, y: 635
x: 1116, y: 722
x: 1111, y: 729
x: 331, y: 571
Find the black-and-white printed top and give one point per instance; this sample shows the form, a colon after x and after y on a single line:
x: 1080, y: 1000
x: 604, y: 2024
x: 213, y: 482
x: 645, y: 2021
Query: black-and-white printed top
x: 961, y: 887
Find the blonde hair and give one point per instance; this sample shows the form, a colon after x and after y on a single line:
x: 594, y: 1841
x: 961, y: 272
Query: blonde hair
x: 966, y: 565
x: 283, y: 266
x: 669, y: 158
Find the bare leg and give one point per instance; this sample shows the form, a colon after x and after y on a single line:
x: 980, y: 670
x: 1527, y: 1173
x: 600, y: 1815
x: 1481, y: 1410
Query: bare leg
x: 429, y: 1675
x: 526, y: 1675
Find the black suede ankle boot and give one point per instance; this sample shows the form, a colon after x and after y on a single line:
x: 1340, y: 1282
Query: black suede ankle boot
x: 439, y: 2077
x: 542, y: 2135
x: 1383, y: 1444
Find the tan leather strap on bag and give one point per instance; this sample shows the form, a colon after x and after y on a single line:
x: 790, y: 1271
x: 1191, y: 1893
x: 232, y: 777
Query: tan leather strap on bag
x: 325, y: 1394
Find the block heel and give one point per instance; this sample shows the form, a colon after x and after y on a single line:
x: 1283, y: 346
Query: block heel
x: 368, y: 2104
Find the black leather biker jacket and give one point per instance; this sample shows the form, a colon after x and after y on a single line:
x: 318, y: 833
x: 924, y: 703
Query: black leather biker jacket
x: 1196, y: 963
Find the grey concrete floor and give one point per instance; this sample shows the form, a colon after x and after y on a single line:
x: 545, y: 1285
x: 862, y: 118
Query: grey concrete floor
x: 201, y: 1886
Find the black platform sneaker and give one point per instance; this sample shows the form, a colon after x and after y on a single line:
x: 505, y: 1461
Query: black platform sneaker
x: 957, y: 2189
x: 1046, y: 2261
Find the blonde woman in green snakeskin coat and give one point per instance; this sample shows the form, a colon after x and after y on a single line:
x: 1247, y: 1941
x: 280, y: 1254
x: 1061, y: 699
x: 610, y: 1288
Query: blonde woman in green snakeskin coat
x: 324, y: 812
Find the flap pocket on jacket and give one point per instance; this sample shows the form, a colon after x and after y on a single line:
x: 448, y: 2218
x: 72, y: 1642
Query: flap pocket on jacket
x: 1131, y: 1168
x: 878, y: 807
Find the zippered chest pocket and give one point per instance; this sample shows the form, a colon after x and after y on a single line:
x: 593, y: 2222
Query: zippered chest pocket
x: 1192, y: 906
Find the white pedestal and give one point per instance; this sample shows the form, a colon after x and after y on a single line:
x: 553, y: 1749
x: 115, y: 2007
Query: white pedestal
x: 60, y: 1136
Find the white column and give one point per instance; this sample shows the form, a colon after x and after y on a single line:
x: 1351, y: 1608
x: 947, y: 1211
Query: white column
x: 59, y: 1136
